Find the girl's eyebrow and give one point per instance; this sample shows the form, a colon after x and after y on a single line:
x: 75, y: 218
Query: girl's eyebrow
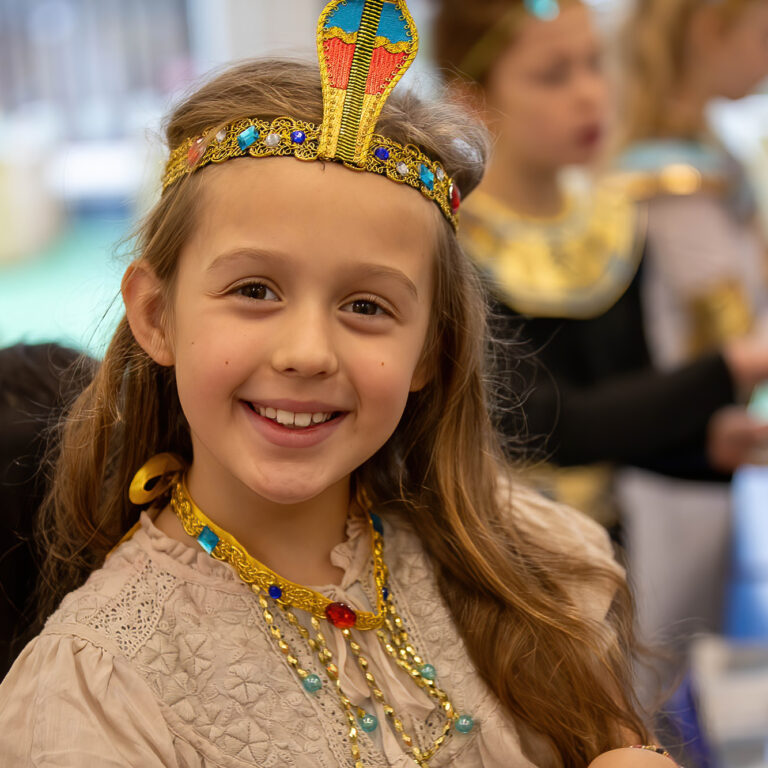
x: 244, y: 254
x: 380, y: 270
x: 364, y: 269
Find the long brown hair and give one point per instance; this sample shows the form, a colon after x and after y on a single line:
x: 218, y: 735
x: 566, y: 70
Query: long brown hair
x: 653, y: 52
x: 564, y: 676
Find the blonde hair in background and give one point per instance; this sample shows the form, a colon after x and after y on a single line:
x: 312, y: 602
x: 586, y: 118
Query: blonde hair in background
x: 561, y: 675
x: 653, y: 54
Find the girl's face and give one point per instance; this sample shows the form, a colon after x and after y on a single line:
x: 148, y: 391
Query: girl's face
x: 546, y: 95
x: 300, y: 314
x: 737, y: 56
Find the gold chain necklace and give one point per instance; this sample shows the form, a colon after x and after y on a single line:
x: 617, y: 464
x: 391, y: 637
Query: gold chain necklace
x: 222, y: 546
x: 390, y: 629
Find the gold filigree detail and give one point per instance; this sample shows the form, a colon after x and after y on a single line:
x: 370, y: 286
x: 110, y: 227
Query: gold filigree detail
x: 218, y: 150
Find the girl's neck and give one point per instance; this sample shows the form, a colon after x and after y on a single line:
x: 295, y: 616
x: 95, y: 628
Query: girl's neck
x: 295, y: 540
x: 527, y: 189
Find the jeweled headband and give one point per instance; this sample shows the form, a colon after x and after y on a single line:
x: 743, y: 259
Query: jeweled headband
x: 364, y: 47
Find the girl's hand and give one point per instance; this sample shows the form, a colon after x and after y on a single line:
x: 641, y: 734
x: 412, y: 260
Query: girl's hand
x: 632, y: 758
x: 735, y: 438
x: 747, y: 360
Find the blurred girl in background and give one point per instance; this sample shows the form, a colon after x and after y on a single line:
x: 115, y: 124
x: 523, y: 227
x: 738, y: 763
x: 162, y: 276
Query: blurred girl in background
x: 704, y: 277
x: 564, y: 263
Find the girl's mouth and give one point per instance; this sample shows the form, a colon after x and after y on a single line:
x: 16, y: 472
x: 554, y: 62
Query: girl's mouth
x: 293, y: 420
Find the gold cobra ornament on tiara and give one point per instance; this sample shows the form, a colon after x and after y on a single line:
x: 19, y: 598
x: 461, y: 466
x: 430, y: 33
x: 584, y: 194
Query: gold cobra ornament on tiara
x: 364, y: 48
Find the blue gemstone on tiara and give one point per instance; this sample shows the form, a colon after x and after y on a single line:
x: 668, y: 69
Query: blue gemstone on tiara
x: 546, y: 10
x: 427, y: 177
x: 275, y: 592
x: 247, y: 137
x: 207, y: 539
x: 382, y: 153
x: 298, y: 137
x: 385, y: 593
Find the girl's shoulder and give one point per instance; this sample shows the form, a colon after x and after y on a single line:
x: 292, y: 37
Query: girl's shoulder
x: 560, y: 526
x: 116, y: 601
x: 123, y: 603
x: 554, y: 526
x: 577, y: 552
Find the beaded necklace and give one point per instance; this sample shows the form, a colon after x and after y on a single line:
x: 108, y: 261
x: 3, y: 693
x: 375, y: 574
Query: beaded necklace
x: 275, y: 593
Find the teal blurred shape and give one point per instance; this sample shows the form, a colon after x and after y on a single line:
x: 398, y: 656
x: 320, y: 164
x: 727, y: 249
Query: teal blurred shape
x: 69, y: 293
x: 543, y: 9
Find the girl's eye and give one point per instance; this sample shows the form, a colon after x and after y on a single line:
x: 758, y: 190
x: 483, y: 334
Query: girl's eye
x: 595, y: 62
x: 364, y: 307
x: 556, y: 76
x: 258, y: 291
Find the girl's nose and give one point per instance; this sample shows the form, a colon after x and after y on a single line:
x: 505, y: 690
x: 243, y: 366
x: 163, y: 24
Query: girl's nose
x: 305, y: 346
x: 592, y: 90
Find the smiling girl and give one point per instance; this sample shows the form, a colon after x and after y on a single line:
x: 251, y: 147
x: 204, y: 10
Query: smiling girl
x: 331, y: 565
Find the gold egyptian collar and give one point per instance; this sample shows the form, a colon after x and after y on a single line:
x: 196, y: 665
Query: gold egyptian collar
x: 575, y: 265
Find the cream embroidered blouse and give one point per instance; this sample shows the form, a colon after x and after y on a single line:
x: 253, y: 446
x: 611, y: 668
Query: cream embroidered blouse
x: 163, y: 658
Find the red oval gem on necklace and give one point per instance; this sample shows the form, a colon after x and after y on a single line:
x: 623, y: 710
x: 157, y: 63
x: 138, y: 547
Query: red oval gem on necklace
x: 340, y: 615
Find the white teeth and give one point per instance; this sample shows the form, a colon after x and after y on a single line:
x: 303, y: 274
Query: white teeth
x: 290, y: 419
x: 284, y: 417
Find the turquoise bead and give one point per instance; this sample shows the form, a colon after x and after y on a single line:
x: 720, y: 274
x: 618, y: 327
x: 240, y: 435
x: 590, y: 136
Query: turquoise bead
x: 369, y: 723
x: 312, y: 683
x: 428, y: 672
x: 465, y: 724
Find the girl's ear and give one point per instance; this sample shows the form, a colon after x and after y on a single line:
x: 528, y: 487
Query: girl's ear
x: 423, y: 373
x: 705, y: 29
x: 419, y: 381
x: 145, y: 309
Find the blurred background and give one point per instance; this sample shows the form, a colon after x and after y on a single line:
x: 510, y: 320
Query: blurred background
x: 84, y: 85
x: 83, y: 88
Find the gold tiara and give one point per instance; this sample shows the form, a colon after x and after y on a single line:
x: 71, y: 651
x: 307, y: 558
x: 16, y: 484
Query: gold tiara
x: 364, y: 47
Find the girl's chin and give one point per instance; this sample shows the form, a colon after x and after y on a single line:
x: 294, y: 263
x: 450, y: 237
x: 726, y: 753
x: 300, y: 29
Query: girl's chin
x: 581, y: 157
x: 288, y: 489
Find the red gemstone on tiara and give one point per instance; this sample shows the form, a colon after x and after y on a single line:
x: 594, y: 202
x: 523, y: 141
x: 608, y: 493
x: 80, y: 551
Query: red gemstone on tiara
x: 340, y: 615
x: 455, y: 198
x: 196, y: 152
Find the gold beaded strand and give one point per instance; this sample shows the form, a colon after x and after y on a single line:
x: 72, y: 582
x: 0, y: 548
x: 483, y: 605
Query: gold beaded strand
x: 389, y: 627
